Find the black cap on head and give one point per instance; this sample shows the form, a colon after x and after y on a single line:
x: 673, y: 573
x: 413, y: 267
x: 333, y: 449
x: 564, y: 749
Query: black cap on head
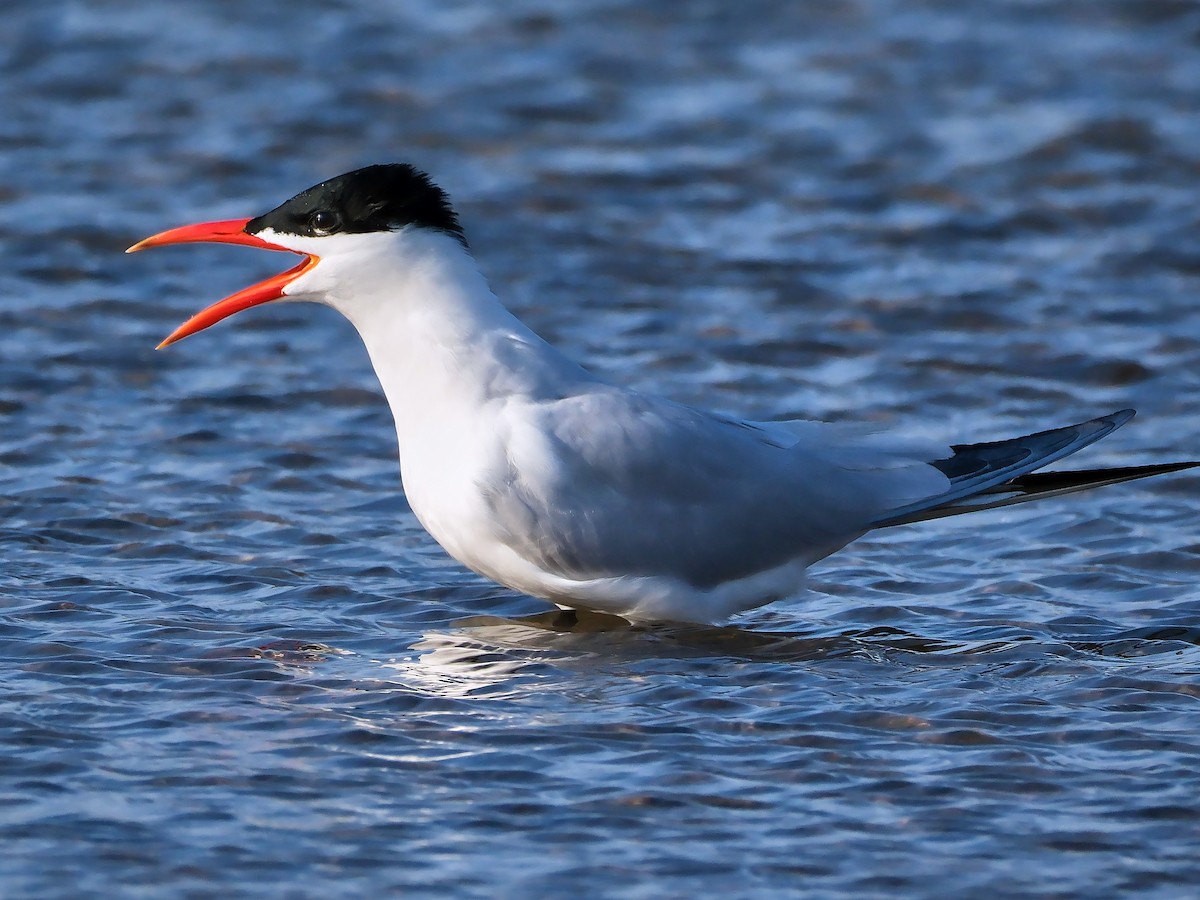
x: 377, y: 198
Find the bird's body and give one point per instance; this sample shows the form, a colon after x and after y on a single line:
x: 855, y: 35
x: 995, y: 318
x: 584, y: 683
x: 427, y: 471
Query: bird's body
x: 547, y: 479
x: 538, y: 475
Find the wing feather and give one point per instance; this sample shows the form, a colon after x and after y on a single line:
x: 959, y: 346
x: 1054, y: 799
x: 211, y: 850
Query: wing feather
x: 617, y: 483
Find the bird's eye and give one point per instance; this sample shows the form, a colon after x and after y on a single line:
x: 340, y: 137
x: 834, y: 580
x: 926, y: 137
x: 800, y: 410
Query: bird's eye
x: 323, y: 221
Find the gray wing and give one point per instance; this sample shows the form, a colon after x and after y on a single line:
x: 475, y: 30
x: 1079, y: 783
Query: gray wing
x: 617, y: 483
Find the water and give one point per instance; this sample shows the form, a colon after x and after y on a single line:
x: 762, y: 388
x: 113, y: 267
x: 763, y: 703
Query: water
x: 232, y: 662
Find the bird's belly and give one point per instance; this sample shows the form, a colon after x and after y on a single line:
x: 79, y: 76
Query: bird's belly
x: 461, y: 522
x: 446, y: 492
x: 658, y: 598
x: 452, y: 511
x: 460, y: 488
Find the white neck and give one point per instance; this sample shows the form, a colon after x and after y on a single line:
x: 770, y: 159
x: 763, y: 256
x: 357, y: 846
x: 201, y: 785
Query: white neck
x: 440, y: 341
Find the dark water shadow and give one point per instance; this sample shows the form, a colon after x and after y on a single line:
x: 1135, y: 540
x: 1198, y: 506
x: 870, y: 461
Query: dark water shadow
x: 574, y: 630
x: 1141, y: 642
x: 567, y: 630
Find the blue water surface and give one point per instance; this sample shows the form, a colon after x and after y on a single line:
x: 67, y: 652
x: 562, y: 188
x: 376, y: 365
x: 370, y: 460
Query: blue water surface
x: 231, y: 661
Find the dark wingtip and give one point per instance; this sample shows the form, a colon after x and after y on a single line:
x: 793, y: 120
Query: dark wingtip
x: 1078, y: 479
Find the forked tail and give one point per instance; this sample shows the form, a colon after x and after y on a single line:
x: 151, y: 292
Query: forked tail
x: 1001, y: 473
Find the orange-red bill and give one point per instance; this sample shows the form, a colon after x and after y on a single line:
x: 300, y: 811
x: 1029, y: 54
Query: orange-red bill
x: 230, y: 231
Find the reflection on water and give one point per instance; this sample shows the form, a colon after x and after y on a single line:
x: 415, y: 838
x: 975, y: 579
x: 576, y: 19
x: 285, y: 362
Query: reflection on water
x: 461, y: 666
x: 482, y: 656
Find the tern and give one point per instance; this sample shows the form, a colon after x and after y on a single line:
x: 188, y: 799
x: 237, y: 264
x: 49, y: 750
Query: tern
x: 551, y: 481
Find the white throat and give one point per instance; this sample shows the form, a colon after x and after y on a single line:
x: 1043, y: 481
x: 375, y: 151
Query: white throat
x: 442, y: 345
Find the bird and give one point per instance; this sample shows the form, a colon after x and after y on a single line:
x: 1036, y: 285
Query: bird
x: 539, y: 475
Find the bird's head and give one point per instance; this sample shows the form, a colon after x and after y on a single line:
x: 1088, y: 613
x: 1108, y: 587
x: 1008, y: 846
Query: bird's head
x: 342, y: 220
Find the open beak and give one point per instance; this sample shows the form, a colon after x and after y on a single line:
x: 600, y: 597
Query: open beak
x: 231, y: 231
